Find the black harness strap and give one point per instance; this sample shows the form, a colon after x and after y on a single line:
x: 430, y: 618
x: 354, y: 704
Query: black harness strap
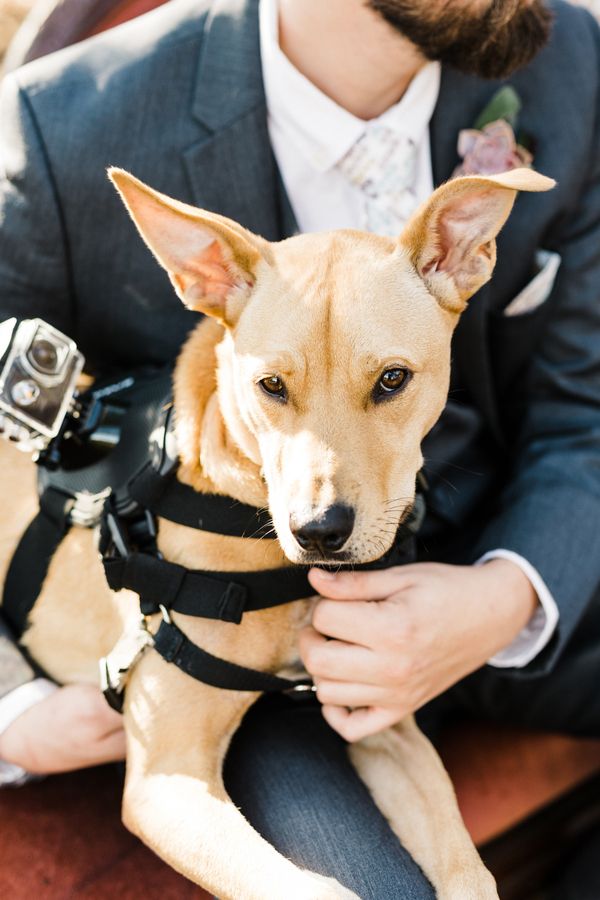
x: 211, y: 595
x: 141, y: 490
x: 124, y: 409
x: 169, y: 498
x: 29, y: 565
x: 174, y: 647
x: 131, y: 560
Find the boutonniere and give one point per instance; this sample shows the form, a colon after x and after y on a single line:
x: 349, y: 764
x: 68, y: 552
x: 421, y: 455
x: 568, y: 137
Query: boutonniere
x: 491, y: 145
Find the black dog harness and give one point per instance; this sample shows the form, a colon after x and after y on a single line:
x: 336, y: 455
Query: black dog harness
x: 126, y: 492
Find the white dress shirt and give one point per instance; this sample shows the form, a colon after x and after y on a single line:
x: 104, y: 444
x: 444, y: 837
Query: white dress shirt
x: 310, y: 134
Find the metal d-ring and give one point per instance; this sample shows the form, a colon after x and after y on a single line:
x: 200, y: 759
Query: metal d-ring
x: 165, y: 614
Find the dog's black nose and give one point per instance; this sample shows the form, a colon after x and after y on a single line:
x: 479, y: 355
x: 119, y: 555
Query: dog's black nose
x: 326, y: 534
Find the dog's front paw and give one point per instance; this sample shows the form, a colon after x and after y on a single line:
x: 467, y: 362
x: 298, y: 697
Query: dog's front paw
x: 476, y: 885
x: 321, y: 888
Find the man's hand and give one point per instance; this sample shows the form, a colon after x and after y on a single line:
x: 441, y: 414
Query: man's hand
x: 72, y: 728
x: 386, y: 642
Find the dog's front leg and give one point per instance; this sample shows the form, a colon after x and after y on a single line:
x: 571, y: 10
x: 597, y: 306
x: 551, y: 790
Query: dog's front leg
x: 412, y: 789
x: 178, y: 732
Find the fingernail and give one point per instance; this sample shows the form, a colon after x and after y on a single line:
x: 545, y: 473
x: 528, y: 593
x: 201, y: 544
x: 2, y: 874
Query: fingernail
x: 325, y: 574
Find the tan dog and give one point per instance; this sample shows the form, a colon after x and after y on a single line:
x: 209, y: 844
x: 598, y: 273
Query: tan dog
x: 324, y: 362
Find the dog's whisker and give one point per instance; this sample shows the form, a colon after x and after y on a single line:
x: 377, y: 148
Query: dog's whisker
x: 451, y: 465
x: 271, y: 528
x: 260, y: 537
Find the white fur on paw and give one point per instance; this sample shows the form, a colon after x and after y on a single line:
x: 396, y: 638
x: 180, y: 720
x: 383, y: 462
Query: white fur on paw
x: 328, y: 889
x: 480, y: 887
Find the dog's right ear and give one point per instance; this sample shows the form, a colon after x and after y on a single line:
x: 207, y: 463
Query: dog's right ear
x: 451, y: 239
x: 211, y: 260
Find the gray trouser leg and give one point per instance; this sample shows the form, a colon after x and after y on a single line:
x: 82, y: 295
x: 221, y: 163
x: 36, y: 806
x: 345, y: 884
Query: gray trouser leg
x: 290, y: 775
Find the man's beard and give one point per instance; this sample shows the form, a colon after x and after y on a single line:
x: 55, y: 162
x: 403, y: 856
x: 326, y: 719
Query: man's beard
x: 491, y: 44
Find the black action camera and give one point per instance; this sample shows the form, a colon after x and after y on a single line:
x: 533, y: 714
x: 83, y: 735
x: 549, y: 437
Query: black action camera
x: 39, y: 368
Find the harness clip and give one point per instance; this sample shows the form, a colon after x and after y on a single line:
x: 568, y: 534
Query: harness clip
x: 86, y: 510
x: 122, y: 532
x: 116, y: 666
x: 117, y: 537
x: 300, y: 690
x: 165, y: 614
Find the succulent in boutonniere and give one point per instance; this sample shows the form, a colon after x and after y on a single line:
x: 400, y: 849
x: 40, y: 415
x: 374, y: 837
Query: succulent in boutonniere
x: 490, y: 146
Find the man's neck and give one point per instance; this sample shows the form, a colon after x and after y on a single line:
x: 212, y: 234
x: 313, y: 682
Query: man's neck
x: 349, y: 52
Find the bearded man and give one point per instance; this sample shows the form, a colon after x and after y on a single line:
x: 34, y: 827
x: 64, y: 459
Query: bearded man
x: 260, y: 110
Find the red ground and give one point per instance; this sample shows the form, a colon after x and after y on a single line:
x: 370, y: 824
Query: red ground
x: 62, y: 838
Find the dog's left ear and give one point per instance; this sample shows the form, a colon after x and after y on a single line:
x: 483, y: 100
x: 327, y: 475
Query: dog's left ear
x: 211, y: 260
x: 451, y: 239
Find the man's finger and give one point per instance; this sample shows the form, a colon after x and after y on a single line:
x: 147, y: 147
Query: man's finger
x: 353, y: 725
x: 337, y: 660
x: 375, y: 585
x: 353, y: 621
x: 349, y: 694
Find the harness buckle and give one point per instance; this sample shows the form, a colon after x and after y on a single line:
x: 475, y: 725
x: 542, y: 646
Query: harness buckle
x: 114, y: 537
x: 122, y: 532
x: 300, y: 690
x: 165, y: 614
x: 116, y: 666
x: 86, y: 509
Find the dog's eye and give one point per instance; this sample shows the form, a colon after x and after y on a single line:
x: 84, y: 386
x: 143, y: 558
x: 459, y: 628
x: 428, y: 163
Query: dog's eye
x: 391, y: 382
x: 274, y: 387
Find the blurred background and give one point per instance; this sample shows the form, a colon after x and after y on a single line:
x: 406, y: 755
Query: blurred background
x: 90, y: 14
x: 12, y: 13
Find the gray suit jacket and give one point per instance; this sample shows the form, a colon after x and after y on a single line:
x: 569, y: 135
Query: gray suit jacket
x: 177, y: 98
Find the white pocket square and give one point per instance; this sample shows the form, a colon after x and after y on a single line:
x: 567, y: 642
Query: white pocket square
x: 539, y: 288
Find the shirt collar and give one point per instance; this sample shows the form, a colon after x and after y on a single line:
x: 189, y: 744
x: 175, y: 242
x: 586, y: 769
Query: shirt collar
x: 321, y: 129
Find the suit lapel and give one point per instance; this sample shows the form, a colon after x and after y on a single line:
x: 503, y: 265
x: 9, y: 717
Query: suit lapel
x: 232, y: 169
x: 460, y: 102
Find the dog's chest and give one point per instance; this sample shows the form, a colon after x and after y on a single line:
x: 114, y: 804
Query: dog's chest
x: 265, y: 639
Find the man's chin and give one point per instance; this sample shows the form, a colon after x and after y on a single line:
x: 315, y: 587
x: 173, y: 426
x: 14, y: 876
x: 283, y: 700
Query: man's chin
x: 487, y: 44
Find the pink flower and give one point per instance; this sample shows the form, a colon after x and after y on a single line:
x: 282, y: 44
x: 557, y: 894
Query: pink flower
x: 490, y: 151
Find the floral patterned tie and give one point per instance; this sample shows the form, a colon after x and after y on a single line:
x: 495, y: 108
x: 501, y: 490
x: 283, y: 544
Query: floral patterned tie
x: 383, y: 166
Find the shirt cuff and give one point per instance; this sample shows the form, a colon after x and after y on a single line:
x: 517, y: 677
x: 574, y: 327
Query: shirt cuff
x: 13, y: 705
x: 540, y: 628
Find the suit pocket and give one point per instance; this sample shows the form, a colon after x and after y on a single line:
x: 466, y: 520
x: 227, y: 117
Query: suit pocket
x: 514, y: 339
x: 539, y: 288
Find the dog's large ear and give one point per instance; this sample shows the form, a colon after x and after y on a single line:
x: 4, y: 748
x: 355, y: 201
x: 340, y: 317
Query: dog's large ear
x: 451, y: 239
x: 211, y: 260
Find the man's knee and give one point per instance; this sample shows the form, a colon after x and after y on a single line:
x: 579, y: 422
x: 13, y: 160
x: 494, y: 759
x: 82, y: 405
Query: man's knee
x: 291, y: 776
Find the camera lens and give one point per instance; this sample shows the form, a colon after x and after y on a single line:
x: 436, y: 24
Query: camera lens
x: 43, y: 356
x: 25, y: 393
